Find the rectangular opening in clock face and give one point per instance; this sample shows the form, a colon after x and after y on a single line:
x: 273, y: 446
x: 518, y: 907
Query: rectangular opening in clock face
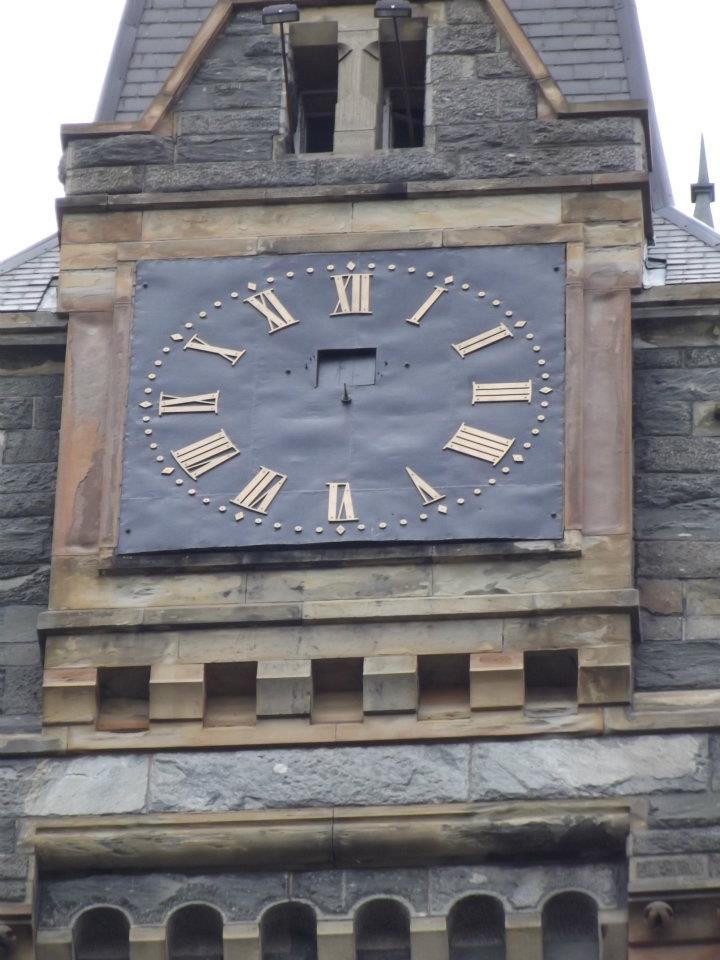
x: 371, y: 397
x: 351, y: 368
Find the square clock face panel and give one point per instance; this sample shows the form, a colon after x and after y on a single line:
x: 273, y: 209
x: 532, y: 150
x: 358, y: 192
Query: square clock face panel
x: 383, y: 397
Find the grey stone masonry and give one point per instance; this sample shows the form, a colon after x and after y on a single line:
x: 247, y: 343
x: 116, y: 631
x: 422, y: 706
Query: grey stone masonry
x: 230, y: 123
x: 677, y: 502
x: 30, y: 395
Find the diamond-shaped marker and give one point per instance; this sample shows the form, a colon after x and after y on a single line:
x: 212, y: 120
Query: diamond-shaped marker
x: 546, y: 389
x: 520, y: 324
x: 448, y: 279
x: 176, y: 337
x: 442, y: 508
x: 340, y: 530
x: 518, y: 458
x: 351, y: 264
x: 145, y: 404
x: 239, y: 515
x: 167, y: 471
x: 252, y: 286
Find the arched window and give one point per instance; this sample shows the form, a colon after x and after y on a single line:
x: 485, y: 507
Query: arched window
x: 195, y: 933
x: 288, y: 931
x: 570, y: 928
x: 382, y: 931
x: 102, y: 933
x: 476, y: 929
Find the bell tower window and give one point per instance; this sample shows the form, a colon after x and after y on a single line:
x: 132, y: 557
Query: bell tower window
x: 314, y: 49
x: 402, y: 60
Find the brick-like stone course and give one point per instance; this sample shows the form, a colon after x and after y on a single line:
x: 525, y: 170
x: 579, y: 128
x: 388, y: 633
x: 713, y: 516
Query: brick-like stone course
x: 677, y: 505
x: 30, y: 394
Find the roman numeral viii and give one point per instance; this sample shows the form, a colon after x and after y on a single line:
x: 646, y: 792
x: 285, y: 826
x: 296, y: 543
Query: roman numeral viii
x: 479, y: 444
x: 353, y: 293
x: 261, y: 491
x: 271, y: 307
x: 199, y: 403
x: 197, y: 458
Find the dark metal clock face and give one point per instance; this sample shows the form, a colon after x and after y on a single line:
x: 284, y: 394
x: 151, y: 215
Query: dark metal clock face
x: 333, y: 398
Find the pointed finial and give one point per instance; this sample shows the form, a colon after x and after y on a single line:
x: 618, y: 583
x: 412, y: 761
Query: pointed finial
x: 703, y: 192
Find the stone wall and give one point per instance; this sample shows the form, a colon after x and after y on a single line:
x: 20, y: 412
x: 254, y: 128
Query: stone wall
x: 677, y: 469
x: 481, y: 121
x: 30, y: 396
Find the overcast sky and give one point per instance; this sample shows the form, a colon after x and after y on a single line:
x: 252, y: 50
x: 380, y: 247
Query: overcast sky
x: 53, y: 55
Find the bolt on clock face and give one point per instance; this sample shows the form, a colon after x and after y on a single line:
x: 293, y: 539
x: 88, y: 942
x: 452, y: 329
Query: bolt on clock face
x: 346, y: 398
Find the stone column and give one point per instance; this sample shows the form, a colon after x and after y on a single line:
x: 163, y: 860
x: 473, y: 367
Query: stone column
x: 357, y: 114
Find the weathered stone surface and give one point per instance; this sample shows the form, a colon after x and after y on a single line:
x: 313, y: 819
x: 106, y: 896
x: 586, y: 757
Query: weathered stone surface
x: 657, y: 358
x: 703, y: 357
x: 678, y: 455
x: 663, y: 419
x: 698, y: 384
x: 28, y: 585
x: 46, y: 413
x: 89, y: 785
x: 39, y: 477
x: 119, y: 150
x: 381, y: 168
x: 706, y: 422
x: 466, y: 11
x: 125, y: 179
x: 30, y: 446
x: 664, y: 558
x: 681, y: 840
x: 490, y: 99
x: 527, y: 886
x: 703, y: 598
x: 215, y: 176
x: 663, y: 666
x: 27, y: 505
x: 680, y: 810
x: 464, y: 39
x: 588, y: 768
x: 13, y: 387
x: 16, y: 776
x: 362, y: 884
x: 661, y: 628
x: 661, y: 596
x: 23, y: 540
x: 22, y: 694
x: 253, y: 121
x: 231, y: 95
x: 702, y: 628
x: 692, y: 868
x: 15, y: 413
x: 211, y: 147
x: 316, y: 777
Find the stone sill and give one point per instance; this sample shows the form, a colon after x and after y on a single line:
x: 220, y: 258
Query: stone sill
x: 334, y: 837
x: 30, y: 329
x: 338, y: 611
x: 279, y: 558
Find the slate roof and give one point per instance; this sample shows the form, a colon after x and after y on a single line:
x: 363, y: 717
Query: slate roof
x: 27, y: 280
x: 691, y: 249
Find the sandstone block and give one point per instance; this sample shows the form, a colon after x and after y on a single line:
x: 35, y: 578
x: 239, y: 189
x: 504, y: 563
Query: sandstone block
x: 284, y: 688
x: 177, y: 691
x: 335, y: 940
x: 70, y: 695
x: 390, y: 684
x: 604, y: 674
x: 497, y: 680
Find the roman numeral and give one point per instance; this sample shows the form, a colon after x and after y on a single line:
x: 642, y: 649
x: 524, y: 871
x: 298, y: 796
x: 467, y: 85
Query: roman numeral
x: 502, y: 392
x: 270, y: 306
x: 199, y: 403
x: 197, y: 343
x: 197, y: 458
x: 353, y: 293
x: 422, y: 310
x: 427, y: 493
x: 479, y: 444
x: 261, y: 491
x: 482, y: 340
x: 340, y: 504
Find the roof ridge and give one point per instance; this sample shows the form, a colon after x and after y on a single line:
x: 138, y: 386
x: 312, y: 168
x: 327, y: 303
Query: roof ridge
x: 690, y: 225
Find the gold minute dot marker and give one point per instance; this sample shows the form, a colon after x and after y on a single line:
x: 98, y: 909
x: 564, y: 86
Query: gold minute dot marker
x: 188, y: 326
x: 202, y: 314
x: 310, y: 270
x: 222, y: 509
x: 235, y: 295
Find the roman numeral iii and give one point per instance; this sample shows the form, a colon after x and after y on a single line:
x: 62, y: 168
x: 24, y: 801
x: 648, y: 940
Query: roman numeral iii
x: 479, y: 444
x: 270, y: 306
x: 427, y: 493
x: 501, y: 392
x: 261, y: 491
x: 425, y: 308
x: 340, y: 503
x: 197, y: 343
x: 482, y: 340
x: 199, y: 403
x: 353, y: 293
x: 197, y: 458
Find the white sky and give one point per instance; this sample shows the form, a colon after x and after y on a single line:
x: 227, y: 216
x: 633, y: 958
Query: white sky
x: 53, y: 55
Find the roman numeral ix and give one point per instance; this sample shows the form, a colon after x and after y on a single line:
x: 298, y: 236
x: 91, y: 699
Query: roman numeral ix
x: 261, y: 490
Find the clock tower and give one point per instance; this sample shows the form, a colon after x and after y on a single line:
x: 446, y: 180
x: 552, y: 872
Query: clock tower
x: 338, y: 647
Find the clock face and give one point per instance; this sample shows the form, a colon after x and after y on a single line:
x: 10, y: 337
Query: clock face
x: 333, y: 398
